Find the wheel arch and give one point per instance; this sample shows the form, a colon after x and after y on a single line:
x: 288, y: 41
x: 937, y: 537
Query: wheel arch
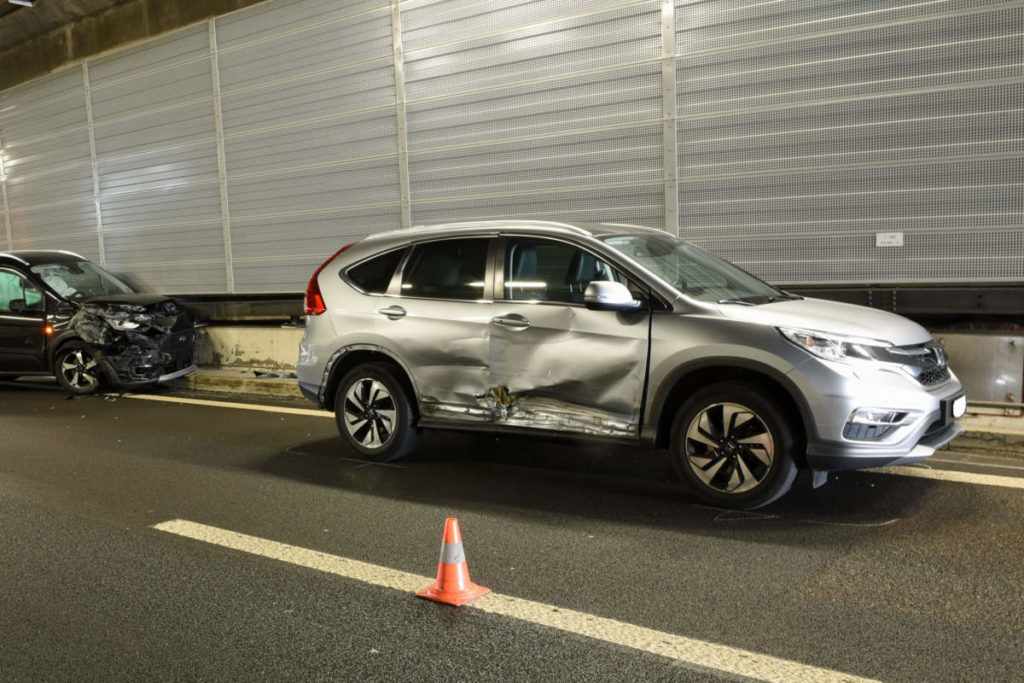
x: 692, y: 376
x: 345, y: 359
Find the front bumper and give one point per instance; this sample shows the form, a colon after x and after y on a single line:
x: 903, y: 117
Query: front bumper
x: 834, y: 391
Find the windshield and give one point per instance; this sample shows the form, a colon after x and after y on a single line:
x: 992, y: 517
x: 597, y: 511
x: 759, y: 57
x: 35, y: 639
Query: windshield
x: 79, y: 280
x: 695, y: 272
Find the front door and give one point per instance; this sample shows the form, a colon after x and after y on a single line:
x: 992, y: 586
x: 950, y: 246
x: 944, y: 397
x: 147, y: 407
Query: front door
x: 556, y: 364
x: 22, y: 324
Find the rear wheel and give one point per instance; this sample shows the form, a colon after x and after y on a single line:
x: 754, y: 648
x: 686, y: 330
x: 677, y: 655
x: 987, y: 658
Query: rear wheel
x: 374, y: 413
x: 77, y: 369
x: 734, y: 445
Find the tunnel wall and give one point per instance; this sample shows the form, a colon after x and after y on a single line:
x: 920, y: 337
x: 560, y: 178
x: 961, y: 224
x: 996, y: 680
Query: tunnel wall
x: 810, y: 141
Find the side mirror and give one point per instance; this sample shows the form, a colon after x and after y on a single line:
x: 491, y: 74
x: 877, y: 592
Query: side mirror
x: 17, y: 306
x: 603, y: 295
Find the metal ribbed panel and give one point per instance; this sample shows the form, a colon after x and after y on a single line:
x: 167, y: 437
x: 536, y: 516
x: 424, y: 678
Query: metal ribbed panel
x: 534, y: 109
x: 47, y: 167
x: 157, y: 163
x: 308, y: 108
x: 810, y: 126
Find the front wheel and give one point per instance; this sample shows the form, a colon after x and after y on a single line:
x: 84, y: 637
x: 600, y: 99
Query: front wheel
x: 77, y: 369
x: 374, y: 413
x: 734, y: 445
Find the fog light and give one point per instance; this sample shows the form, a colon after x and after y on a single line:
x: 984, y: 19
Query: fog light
x: 877, y: 416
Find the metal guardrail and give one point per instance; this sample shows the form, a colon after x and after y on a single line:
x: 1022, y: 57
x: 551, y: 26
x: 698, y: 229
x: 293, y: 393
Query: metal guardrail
x: 996, y: 404
x: 244, y: 308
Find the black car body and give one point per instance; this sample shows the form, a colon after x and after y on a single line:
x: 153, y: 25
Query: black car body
x: 63, y: 315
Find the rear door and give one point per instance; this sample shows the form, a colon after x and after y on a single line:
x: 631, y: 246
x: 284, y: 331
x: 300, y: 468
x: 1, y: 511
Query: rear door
x: 22, y: 323
x: 437, y: 318
x: 555, y: 364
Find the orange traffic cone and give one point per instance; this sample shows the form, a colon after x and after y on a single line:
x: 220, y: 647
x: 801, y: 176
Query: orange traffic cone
x: 453, y: 586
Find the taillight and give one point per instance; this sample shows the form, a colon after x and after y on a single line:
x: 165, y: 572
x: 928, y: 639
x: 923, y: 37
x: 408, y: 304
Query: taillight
x: 314, y: 299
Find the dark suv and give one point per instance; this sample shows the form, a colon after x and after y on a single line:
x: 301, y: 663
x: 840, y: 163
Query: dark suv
x: 62, y: 315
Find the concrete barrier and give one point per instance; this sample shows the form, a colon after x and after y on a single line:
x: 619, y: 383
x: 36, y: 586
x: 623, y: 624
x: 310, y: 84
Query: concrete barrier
x: 248, y: 346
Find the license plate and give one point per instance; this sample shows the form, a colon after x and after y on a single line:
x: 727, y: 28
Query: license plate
x: 960, y: 406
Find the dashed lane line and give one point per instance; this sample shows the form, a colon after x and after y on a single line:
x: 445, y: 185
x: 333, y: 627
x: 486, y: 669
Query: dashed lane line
x: 227, y: 404
x: 688, y: 651
x: 954, y: 476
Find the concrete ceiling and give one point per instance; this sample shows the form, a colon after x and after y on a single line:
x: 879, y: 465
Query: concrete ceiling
x: 21, y: 24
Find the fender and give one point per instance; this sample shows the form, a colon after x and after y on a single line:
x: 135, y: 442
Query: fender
x: 345, y: 350
x: 653, y: 419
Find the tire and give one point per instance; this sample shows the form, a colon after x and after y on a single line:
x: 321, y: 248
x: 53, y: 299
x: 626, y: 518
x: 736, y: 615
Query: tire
x: 374, y: 413
x: 77, y: 369
x: 734, y: 445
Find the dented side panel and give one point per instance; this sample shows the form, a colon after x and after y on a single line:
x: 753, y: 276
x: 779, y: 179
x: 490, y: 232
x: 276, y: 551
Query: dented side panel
x: 572, y: 369
x: 446, y: 344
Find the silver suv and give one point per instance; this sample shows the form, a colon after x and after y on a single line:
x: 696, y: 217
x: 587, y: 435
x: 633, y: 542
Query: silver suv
x: 617, y: 332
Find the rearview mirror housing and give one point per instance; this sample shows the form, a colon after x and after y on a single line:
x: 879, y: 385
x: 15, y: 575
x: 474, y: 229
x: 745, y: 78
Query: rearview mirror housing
x: 604, y: 295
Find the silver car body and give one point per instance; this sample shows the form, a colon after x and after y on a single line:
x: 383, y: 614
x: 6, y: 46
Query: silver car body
x: 554, y: 367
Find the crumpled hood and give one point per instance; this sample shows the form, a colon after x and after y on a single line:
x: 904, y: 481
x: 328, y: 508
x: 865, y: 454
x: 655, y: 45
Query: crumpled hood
x: 832, y: 316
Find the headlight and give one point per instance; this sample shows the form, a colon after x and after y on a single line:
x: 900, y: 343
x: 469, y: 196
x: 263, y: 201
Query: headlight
x: 833, y: 346
x: 123, y: 324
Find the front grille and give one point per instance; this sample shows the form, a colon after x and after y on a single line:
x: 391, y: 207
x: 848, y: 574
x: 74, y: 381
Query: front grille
x: 932, y: 377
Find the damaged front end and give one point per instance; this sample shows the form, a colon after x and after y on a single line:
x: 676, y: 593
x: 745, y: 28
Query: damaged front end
x: 137, y: 343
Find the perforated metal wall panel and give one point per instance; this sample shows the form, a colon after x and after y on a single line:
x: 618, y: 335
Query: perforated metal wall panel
x: 237, y: 154
x: 534, y: 109
x: 308, y: 101
x: 807, y: 127
x: 47, y: 165
x: 157, y: 163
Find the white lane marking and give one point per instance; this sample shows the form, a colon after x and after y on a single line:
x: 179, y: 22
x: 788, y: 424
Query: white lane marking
x: 690, y: 651
x: 852, y: 524
x: 950, y: 475
x: 976, y: 463
x: 225, y: 404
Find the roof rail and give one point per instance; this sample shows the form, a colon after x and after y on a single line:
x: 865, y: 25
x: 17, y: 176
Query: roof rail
x: 633, y: 225
x: 506, y: 222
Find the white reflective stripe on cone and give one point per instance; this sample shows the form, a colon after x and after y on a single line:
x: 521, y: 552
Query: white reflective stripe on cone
x: 452, y: 553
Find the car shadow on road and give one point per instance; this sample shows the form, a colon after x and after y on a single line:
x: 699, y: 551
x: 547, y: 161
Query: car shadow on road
x: 593, y: 480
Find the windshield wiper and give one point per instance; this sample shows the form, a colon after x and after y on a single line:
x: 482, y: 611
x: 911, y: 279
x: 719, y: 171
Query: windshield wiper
x: 758, y: 299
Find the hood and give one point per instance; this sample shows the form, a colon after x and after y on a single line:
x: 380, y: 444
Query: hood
x: 134, y: 298
x: 833, y: 317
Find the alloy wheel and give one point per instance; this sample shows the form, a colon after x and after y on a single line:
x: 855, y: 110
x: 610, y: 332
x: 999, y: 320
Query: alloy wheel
x: 729, y: 448
x: 370, y: 413
x: 80, y: 370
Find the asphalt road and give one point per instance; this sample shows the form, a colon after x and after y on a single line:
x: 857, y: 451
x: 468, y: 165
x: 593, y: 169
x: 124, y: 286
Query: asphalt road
x: 875, y: 575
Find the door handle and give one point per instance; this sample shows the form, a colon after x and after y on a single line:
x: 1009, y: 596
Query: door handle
x: 512, y: 321
x: 392, y: 312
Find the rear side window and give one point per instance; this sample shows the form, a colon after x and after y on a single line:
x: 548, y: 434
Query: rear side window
x: 449, y: 269
x: 374, y: 276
